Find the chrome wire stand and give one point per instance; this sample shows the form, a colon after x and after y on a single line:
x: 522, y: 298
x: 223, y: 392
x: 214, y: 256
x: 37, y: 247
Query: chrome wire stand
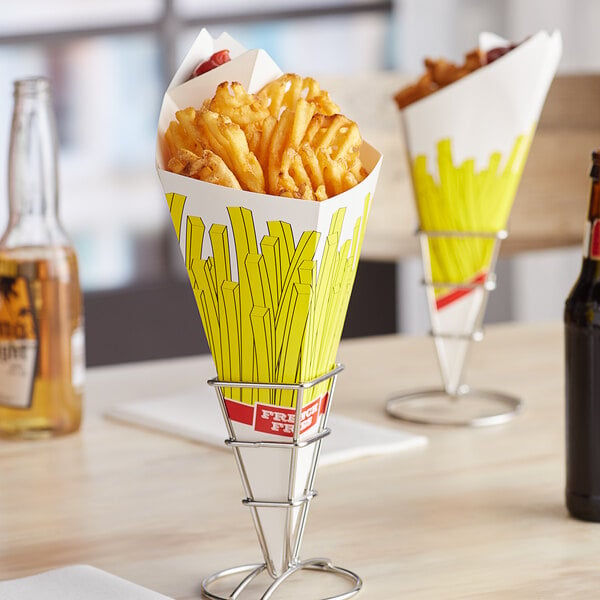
x: 456, y: 404
x: 430, y: 412
x: 293, y: 533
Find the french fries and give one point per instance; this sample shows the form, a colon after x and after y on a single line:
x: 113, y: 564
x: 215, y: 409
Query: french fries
x: 232, y: 100
x: 226, y: 139
x: 287, y: 140
x: 440, y: 73
x: 287, y: 90
x: 207, y: 167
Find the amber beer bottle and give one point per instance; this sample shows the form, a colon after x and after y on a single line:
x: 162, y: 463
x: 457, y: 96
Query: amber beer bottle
x: 582, y: 370
x: 42, y: 362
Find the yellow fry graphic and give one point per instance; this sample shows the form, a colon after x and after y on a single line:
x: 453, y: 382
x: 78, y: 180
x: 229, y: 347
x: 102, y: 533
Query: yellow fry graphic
x: 361, y: 233
x: 193, y: 240
x: 260, y: 289
x: 261, y: 317
x: 304, y: 251
x: 245, y: 243
x: 209, y: 319
x: 283, y: 232
x: 229, y: 327
x: 176, y: 203
x: 308, y: 276
x: 270, y: 251
x: 324, y: 287
x: 209, y: 306
x: 291, y: 350
x: 282, y: 320
x: 466, y: 200
x: 220, y: 246
x: 262, y: 326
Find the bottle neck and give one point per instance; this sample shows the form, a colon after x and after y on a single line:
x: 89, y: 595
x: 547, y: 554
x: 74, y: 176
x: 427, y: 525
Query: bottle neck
x: 32, y: 167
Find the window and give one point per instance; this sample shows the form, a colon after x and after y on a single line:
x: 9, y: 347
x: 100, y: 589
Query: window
x: 110, y: 61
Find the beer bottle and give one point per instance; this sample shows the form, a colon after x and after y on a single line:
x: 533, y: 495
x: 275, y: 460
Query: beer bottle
x: 582, y: 370
x: 42, y: 362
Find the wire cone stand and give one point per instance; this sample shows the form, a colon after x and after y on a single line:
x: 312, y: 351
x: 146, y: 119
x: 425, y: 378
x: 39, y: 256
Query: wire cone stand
x: 280, y: 519
x: 454, y: 326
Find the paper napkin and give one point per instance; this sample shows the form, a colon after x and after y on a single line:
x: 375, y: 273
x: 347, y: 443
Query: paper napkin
x: 196, y: 416
x: 77, y: 582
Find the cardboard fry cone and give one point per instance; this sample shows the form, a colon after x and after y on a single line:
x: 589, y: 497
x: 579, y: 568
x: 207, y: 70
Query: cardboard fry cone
x: 468, y: 143
x: 272, y: 278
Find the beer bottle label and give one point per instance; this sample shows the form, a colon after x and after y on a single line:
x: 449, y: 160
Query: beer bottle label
x: 591, y: 240
x: 18, y: 343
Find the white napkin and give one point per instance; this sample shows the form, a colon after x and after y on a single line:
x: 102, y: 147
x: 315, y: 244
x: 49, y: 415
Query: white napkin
x: 196, y: 416
x: 78, y: 582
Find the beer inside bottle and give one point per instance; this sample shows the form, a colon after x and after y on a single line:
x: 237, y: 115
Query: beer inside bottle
x: 42, y: 362
x: 582, y: 370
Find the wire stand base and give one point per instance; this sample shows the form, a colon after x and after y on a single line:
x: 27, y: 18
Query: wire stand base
x: 251, y: 572
x: 456, y: 404
x: 296, y: 492
x: 467, y: 408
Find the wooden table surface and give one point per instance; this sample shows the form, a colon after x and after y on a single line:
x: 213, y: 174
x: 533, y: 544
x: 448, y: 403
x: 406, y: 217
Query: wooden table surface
x: 550, y: 205
x: 477, y: 513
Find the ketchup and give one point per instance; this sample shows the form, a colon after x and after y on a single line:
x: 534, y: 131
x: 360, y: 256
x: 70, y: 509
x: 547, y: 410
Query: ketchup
x: 496, y: 53
x: 216, y: 60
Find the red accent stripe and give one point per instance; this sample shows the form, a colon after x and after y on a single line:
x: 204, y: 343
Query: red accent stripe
x: 244, y: 413
x: 459, y: 293
x: 237, y: 411
x: 595, y: 241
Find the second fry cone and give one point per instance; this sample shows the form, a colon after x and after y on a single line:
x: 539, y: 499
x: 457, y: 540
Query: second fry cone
x: 468, y: 143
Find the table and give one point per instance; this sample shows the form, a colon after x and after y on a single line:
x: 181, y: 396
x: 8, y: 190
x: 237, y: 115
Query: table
x: 476, y: 514
x: 551, y: 201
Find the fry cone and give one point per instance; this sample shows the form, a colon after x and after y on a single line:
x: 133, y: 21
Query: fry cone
x: 272, y: 279
x: 468, y: 144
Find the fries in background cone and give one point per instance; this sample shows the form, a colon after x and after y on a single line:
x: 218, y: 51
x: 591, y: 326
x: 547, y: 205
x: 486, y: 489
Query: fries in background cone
x: 468, y: 143
x: 272, y: 275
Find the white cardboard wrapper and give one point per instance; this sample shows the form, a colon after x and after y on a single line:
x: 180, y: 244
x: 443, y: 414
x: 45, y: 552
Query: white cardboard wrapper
x: 487, y: 110
x: 272, y: 475
x: 481, y: 115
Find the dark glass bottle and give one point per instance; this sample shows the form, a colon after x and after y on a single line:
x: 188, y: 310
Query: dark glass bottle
x: 582, y: 370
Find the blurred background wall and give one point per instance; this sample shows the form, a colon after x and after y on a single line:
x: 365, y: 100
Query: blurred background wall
x: 110, y: 61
